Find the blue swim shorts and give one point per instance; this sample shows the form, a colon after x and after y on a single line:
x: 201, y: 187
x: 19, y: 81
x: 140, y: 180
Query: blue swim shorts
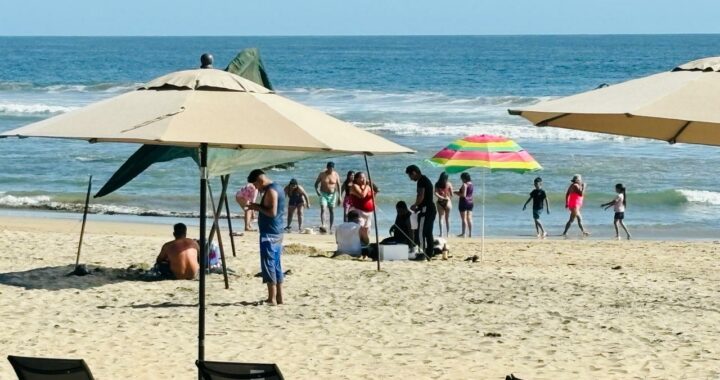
x: 270, y: 258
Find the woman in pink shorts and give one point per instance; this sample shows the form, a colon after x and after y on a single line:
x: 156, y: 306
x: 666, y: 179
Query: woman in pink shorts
x: 574, y: 202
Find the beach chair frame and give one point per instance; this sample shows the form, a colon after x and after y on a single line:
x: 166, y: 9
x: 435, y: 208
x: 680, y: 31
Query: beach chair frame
x: 66, y: 369
x: 232, y: 370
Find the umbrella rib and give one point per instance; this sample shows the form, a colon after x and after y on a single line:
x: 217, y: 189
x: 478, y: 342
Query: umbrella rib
x: 146, y: 123
x: 546, y: 122
x: 673, y: 140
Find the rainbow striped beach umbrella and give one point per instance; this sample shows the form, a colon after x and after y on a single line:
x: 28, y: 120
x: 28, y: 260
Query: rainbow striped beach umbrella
x: 490, y: 152
x: 485, y: 151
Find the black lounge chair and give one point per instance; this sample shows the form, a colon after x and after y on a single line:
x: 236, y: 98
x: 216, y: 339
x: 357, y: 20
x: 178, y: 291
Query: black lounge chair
x: 230, y: 370
x: 50, y: 369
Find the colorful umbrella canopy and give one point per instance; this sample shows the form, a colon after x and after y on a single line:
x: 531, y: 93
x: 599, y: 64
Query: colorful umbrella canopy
x: 485, y: 151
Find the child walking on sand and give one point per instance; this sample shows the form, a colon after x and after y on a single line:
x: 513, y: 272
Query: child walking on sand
x: 540, y: 201
x: 618, y: 204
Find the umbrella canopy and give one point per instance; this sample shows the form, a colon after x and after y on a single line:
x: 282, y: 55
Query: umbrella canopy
x: 248, y: 65
x: 675, y: 106
x: 485, y: 151
x: 187, y: 108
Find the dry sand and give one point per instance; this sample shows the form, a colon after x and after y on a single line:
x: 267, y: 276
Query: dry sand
x: 550, y: 309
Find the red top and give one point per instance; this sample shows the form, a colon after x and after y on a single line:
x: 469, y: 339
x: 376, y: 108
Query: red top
x: 363, y: 204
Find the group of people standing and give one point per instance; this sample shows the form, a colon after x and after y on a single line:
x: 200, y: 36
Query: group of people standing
x: 574, y: 197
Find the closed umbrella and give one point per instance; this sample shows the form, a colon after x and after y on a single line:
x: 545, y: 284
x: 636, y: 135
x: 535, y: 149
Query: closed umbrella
x: 675, y: 106
x: 488, y: 152
x: 209, y: 108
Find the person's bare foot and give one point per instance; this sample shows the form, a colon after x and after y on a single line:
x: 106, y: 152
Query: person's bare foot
x: 271, y: 302
x: 586, y: 233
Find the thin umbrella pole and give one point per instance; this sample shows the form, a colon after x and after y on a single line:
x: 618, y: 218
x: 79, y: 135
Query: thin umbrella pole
x: 482, y: 250
x: 372, y: 192
x: 226, y: 182
x: 82, y: 229
x: 203, y: 254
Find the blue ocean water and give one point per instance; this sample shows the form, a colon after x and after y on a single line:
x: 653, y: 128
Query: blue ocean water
x: 422, y: 92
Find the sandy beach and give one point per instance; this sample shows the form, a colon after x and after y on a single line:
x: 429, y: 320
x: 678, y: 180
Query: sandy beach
x: 554, y: 309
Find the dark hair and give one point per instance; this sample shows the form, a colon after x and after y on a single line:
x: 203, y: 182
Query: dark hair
x: 353, y: 215
x: 465, y: 177
x: 330, y: 165
x: 349, y: 178
x: 358, y: 174
x: 620, y: 187
x: 254, y: 175
x: 401, y: 205
x: 179, y: 230
x: 293, y: 181
x: 442, y: 181
x: 537, y: 180
x: 412, y: 169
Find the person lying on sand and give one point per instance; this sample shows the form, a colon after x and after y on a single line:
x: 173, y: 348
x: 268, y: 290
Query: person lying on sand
x: 178, y: 259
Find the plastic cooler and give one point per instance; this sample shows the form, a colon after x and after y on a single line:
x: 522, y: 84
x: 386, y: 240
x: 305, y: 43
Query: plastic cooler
x: 393, y: 252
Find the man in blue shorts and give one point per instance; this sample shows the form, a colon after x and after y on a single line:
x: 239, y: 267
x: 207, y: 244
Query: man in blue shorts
x: 270, y: 224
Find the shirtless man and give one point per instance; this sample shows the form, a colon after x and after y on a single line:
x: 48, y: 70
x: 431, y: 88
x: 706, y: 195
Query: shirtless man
x: 178, y: 259
x: 329, y: 193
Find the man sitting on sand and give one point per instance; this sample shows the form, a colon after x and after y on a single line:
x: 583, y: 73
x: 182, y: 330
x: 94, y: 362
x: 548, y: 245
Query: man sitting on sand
x: 351, y: 237
x: 178, y: 259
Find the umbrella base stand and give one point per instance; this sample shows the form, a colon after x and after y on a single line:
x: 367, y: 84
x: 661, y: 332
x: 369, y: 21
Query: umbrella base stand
x: 80, y: 270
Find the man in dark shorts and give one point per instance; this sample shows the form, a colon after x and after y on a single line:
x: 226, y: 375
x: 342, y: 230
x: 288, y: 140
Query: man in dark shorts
x: 426, y: 206
x: 270, y: 225
x: 540, y: 202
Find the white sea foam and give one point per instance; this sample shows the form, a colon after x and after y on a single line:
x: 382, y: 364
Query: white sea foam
x: 20, y: 109
x: 516, y: 131
x: 361, y: 98
x: 701, y: 196
x: 45, y: 202
x: 69, y: 88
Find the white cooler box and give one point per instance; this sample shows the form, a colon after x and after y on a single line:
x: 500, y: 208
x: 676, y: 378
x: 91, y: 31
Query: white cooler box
x: 393, y: 252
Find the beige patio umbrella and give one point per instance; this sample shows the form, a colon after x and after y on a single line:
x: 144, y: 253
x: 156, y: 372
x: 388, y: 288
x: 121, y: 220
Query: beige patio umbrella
x: 676, y: 106
x: 209, y: 108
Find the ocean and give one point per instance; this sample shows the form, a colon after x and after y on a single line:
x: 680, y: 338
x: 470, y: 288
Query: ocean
x: 422, y: 92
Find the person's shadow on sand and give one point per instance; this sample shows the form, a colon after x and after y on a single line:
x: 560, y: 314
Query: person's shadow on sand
x: 60, y: 277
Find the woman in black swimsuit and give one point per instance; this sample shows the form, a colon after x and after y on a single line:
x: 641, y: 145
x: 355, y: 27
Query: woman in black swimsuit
x: 297, y: 200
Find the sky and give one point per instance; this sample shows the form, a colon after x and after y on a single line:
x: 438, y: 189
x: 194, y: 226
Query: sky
x: 354, y: 17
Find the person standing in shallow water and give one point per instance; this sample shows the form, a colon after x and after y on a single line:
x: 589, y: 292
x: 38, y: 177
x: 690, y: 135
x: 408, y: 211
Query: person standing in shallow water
x: 270, y: 224
x: 327, y: 187
x: 540, y: 202
x: 618, y: 204
x: 574, y: 202
x: 444, y: 192
x: 465, y: 204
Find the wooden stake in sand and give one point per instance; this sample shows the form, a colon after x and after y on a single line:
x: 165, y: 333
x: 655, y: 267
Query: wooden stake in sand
x: 225, y: 181
x: 82, y: 229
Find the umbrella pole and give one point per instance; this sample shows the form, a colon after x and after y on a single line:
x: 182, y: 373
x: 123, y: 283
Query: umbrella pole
x: 372, y: 192
x: 216, y: 229
x: 203, y: 254
x: 482, y: 250
x: 226, y: 182
x: 82, y: 229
